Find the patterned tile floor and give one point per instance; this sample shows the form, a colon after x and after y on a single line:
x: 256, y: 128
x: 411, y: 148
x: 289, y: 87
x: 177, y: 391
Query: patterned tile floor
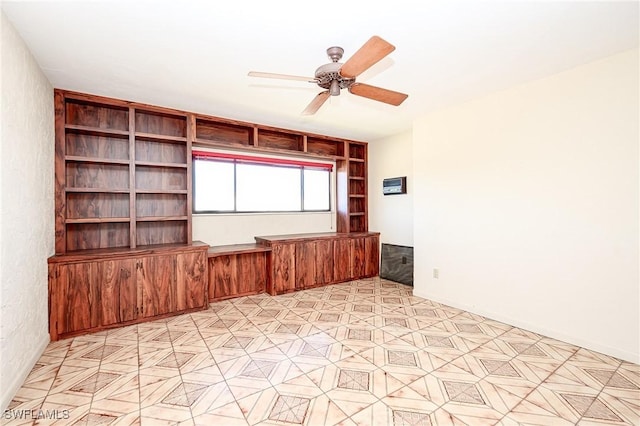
x: 365, y: 352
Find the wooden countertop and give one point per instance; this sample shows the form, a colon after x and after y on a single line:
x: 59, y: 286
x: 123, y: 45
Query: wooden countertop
x: 237, y: 249
x: 110, y: 253
x: 313, y: 236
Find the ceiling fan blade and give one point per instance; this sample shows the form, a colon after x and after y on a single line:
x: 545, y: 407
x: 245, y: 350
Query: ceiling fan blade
x: 316, y: 103
x: 378, y: 94
x: 281, y: 76
x: 371, y: 52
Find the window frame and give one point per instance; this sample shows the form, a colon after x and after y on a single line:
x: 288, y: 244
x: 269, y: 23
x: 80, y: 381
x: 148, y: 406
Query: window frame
x: 235, y: 159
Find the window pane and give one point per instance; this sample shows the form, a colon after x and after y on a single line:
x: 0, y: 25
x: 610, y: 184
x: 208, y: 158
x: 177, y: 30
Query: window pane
x: 316, y: 189
x: 267, y: 188
x: 213, y: 186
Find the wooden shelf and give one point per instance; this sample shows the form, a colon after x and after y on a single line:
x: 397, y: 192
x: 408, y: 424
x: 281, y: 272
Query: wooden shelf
x: 160, y: 218
x: 357, y: 214
x: 117, y: 158
x: 162, y: 138
x: 95, y: 160
x: 99, y: 220
x: 95, y: 130
x: 158, y: 164
x: 112, y: 190
x: 234, y: 146
x: 161, y: 191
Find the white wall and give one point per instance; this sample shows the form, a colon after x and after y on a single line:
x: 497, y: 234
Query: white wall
x: 217, y: 230
x: 527, y: 202
x: 26, y: 211
x: 391, y: 215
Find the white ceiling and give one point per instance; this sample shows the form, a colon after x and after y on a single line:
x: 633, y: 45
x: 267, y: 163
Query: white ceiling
x: 195, y: 55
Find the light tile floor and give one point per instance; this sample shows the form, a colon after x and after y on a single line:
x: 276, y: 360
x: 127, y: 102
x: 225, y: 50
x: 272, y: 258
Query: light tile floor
x: 365, y: 352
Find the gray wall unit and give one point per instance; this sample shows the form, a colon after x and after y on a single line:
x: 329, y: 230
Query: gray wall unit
x: 397, y: 263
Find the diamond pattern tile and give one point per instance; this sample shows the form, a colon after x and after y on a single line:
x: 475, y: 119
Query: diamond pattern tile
x: 363, y: 352
x: 352, y: 379
x: 290, y: 409
x: 410, y: 418
x: 463, y: 392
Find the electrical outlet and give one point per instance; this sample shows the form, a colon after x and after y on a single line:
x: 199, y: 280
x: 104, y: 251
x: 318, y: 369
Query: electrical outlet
x: 436, y: 273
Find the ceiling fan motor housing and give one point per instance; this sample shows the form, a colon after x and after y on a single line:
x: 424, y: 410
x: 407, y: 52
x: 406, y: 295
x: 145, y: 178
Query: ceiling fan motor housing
x: 328, y: 73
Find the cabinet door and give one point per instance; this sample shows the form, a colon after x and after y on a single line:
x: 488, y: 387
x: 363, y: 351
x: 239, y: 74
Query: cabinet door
x: 305, y: 265
x: 237, y: 275
x: 283, y: 268
x: 372, y: 256
x: 156, y: 285
x: 74, y: 298
x: 324, y: 262
x: 341, y: 260
x: 223, y: 276
x: 118, y: 300
x: 252, y: 272
x: 191, y: 280
x: 357, y: 258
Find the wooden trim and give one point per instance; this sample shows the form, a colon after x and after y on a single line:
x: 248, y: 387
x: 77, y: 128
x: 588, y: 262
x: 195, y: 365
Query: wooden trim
x: 132, y: 178
x: 366, y: 188
x: 204, y: 143
x: 59, y: 166
x: 342, y: 196
x: 125, y: 252
x: 254, y: 138
x: 126, y: 323
x: 228, y: 250
x: 293, y: 238
x: 191, y: 136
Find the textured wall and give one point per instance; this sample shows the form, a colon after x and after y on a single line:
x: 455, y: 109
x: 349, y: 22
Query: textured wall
x: 26, y: 210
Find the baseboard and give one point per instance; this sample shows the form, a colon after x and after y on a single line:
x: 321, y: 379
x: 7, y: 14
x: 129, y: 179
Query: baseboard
x: 9, y: 391
x: 555, y: 334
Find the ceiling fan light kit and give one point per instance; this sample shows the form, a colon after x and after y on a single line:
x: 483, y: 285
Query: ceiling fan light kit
x: 336, y: 76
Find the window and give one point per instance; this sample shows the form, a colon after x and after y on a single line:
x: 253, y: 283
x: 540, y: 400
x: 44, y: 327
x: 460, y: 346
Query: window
x: 233, y: 183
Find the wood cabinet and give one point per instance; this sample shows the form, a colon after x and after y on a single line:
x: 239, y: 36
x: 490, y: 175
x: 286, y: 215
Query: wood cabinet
x: 304, y: 261
x: 237, y: 270
x: 314, y: 264
x: 341, y: 259
x: 281, y: 268
x: 305, y: 258
x: 191, y: 272
x: 88, y: 293
x: 371, y: 256
x: 123, y: 204
x: 117, y: 287
x: 323, y: 261
x: 156, y: 285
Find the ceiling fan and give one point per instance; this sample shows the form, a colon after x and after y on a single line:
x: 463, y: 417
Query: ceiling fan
x: 335, y: 75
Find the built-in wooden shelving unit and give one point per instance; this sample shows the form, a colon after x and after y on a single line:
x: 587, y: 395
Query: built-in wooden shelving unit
x: 123, y: 170
x: 123, y: 203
